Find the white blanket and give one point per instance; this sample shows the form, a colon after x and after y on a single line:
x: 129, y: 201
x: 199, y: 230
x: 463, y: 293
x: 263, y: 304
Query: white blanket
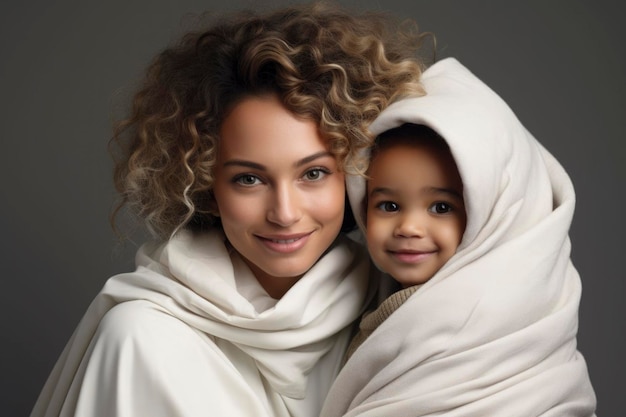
x: 192, y: 333
x: 493, y: 333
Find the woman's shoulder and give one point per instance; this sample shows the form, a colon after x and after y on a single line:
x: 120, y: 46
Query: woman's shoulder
x: 143, y: 323
x: 157, y: 346
x: 164, y: 367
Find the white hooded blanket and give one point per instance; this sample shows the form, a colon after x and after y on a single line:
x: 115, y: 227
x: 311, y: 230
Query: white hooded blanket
x: 192, y: 333
x: 493, y: 333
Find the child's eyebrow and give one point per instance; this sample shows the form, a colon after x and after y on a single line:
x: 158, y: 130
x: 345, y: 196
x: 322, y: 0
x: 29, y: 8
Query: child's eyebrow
x: 381, y: 190
x: 451, y: 191
x: 435, y: 190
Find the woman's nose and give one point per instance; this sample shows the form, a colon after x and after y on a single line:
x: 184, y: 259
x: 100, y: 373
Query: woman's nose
x: 285, y: 206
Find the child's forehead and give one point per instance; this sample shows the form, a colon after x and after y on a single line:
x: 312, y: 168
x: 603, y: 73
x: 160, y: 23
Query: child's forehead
x: 398, y: 144
x: 414, y: 164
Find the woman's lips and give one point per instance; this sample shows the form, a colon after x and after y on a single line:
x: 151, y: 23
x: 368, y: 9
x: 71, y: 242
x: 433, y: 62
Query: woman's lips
x: 284, y: 243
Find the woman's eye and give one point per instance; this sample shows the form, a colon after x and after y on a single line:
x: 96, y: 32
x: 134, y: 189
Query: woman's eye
x: 315, y: 174
x: 247, y: 180
x: 441, y: 208
x: 388, y: 206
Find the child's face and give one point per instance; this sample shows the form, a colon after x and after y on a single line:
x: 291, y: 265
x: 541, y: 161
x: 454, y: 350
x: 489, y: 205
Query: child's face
x: 415, y: 211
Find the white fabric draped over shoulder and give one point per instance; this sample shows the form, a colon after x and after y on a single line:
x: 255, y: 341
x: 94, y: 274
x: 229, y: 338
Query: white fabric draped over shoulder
x: 192, y: 333
x: 493, y: 333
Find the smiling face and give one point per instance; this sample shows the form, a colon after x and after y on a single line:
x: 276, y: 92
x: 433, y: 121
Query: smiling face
x: 415, y: 211
x: 278, y: 189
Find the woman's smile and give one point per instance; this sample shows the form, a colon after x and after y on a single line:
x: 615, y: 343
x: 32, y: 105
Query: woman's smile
x: 285, y: 243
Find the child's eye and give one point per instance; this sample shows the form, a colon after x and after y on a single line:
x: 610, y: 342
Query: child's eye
x: 388, y: 206
x: 247, y: 180
x: 315, y: 174
x: 440, y: 208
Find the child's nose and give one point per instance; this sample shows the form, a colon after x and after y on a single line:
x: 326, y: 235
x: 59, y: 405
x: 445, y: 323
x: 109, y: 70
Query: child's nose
x: 411, y: 224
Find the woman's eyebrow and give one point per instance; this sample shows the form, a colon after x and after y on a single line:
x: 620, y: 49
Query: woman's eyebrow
x: 312, y: 158
x: 244, y: 163
x: 261, y: 167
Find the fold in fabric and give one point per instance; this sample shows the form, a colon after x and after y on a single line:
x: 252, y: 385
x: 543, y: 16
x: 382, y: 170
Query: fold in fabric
x: 177, y: 337
x: 493, y: 333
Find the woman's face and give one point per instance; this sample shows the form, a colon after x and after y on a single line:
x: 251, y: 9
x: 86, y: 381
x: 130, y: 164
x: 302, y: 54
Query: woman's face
x: 279, y: 193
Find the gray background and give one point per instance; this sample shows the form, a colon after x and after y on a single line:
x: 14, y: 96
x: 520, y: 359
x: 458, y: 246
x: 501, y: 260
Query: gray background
x: 65, y: 72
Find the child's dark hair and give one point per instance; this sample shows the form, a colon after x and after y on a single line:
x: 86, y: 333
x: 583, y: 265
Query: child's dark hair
x: 408, y: 133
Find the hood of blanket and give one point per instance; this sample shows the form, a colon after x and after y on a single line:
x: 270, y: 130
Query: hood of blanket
x: 498, y: 159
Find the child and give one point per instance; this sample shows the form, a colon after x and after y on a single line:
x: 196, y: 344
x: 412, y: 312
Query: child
x: 414, y: 210
x: 476, y: 233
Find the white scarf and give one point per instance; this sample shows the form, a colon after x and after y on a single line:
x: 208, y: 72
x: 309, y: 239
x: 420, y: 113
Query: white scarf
x: 493, y: 333
x: 196, y: 280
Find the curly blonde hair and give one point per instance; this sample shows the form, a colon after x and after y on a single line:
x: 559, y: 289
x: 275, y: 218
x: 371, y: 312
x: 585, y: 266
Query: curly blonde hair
x: 326, y: 64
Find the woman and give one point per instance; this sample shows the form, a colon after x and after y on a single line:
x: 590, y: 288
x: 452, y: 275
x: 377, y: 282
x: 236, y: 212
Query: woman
x: 234, y: 155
